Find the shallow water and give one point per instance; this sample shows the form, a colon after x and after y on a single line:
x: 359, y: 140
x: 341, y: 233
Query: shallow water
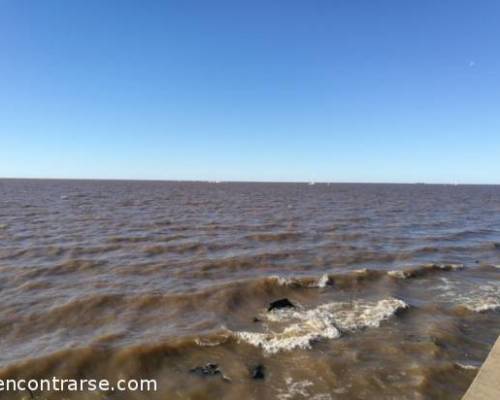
x: 396, y: 287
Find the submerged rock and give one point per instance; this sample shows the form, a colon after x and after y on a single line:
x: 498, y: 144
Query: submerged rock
x: 281, y: 303
x: 209, y: 369
x: 258, y: 372
x: 206, y: 370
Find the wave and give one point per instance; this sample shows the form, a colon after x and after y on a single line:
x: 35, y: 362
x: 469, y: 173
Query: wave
x: 301, y: 327
x: 54, y: 251
x: 422, y: 270
x: 358, y: 276
x: 276, y: 236
x: 76, y: 265
x: 89, y: 250
x: 14, y: 253
x: 97, y: 356
x: 182, y: 248
x: 340, y: 280
x: 147, y: 238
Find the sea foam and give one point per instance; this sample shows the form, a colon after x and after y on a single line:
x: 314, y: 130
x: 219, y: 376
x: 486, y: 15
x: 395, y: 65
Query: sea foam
x: 300, y: 389
x: 480, y: 298
x: 288, y: 329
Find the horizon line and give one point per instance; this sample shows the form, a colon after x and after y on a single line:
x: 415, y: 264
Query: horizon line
x: 217, y: 181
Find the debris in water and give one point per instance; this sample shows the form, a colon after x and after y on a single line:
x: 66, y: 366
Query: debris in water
x: 209, y: 369
x: 258, y: 372
x: 281, y: 303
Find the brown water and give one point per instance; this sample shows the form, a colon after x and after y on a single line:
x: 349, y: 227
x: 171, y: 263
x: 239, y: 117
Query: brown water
x: 397, y: 287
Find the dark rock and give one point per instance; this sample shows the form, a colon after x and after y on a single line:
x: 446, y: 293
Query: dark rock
x: 258, y: 372
x: 206, y: 370
x: 255, y: 319
x: 281, y: 303
x: 209, y: 369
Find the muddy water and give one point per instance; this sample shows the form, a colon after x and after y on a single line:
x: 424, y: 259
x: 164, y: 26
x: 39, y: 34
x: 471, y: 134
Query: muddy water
x: 396, y: 287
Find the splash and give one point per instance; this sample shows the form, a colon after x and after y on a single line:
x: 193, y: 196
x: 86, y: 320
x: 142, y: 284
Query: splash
x: 301, y: 328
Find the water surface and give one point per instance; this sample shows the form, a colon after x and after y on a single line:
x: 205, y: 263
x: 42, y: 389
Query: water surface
x: 396, y: 287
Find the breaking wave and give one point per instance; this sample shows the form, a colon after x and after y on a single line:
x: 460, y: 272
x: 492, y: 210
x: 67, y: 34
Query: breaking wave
x: 422, y: 270
x: 358, y: 276
x: 288, y: 329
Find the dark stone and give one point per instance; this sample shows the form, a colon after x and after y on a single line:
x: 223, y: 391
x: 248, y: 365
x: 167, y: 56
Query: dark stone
x: 206, y: 370
x: 281, y: 303
x: 258, y: 372
x: 255, y: 319
x: 209, y: 369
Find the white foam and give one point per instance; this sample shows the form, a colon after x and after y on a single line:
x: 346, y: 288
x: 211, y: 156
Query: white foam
x: 475, y: 298
x: 291, y: 281
x: 293, y: 389
x: 209, y: 342
x: 300, y: 389
x: 482, y: 305
x: 447, y: 285
x: 400, y: 274
x: 368, y: 314
x: 466, y: 366
x: 323, y: 281
x: 482, y: 298
x: 360, y: 271
x: 444, y: 266
x: 283, y: 280
x: 293, y: 328
x: 404, y: 274
x: 297, y: 335
x: 453, y: 267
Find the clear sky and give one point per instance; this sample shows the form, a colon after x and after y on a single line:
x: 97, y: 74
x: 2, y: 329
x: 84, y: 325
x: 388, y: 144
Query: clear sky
x: 374, y: 90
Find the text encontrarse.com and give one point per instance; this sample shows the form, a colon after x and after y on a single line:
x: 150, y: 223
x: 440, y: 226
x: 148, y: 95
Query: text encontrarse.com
x: 77, y: 385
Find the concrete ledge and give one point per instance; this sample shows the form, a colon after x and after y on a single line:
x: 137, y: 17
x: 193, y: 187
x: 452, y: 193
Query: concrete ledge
x: 486, y: 385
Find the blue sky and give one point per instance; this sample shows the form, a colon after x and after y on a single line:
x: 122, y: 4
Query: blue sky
x: 370, y: 91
